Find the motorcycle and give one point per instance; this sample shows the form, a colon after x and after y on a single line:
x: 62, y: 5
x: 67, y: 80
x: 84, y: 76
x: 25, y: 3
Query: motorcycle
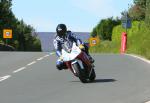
x: 78, y: 62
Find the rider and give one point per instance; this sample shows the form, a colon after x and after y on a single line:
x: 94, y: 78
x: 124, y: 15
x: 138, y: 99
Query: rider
x: 62, y: 36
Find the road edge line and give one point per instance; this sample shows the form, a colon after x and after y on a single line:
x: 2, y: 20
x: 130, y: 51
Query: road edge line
x: 140, y: 58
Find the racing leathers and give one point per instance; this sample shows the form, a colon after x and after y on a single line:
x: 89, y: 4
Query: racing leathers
x: 59, y: 41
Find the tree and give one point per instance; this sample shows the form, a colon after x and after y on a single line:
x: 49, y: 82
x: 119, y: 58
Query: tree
x: 94, y: 32
x: 6, y: 15
x: 104, y: 28
x: 138, y: 10
x: 147, y: 19
x: 141, y: 3
x: 23, y: 39
x: 27, y: 41
x: 136, y: 13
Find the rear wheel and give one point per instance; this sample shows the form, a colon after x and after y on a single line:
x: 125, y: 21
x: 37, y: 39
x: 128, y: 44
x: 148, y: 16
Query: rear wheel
x: 80, y: 72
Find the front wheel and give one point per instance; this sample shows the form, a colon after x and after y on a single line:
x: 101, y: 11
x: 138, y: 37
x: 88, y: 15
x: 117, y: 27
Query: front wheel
x: 80, y: 72
x: 92, y: 75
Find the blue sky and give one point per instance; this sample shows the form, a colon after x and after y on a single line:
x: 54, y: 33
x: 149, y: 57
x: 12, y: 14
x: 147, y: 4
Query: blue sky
x: 78, y: 15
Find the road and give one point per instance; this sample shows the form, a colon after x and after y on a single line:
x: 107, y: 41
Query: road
x: 28, y: 77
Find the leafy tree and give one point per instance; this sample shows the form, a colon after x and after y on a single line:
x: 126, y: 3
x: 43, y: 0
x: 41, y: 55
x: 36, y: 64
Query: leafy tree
x: 23, y: 39
x: 136, y: 13
x: 94, y: 32
x: 6, y: 16
x: 104, y: 28
x: 138, y: 10
x: 141, y: 3
x: 147, y: 19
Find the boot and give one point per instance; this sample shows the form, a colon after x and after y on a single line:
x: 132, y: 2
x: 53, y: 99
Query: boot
x: 60, y: 65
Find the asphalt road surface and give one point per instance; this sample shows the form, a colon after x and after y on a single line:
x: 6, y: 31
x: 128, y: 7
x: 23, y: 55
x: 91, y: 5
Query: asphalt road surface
x: 28, y: 77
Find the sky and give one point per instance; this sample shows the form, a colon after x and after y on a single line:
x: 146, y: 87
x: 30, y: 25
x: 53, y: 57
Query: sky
x: 78, y: 15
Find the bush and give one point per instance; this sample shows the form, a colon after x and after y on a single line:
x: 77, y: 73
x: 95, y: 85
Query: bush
x: 104, y: 47
x: 138, y: 41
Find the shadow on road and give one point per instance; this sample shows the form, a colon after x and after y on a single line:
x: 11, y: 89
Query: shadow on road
x: 100, y: 81
x: 104, y: 80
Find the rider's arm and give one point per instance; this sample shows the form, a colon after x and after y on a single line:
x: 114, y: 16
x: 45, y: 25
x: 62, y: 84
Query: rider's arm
x: 75, y: 39
x: 58, y: 48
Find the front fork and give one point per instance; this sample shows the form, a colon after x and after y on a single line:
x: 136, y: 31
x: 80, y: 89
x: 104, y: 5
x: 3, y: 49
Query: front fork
x: 90, y: 66
x: 70, y: 67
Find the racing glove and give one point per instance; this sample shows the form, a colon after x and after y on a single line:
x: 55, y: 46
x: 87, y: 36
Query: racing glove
x: 81, y: 47
x: 61, y: 58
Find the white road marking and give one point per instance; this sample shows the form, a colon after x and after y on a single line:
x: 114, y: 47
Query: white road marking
x: 20, y: 69
x: 52, y: 53
x: 143, y: 59
x: 40, y: 58
x: 31, y: 63
x: 147, y: 102
x: 4, y: 78
x: 46, y: 56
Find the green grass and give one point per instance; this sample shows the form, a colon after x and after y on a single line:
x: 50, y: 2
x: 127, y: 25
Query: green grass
x: 104, y: 47
x: 138, y: 41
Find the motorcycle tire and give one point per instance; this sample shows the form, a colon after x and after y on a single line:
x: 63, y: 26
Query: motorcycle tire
x: 80, y: 72
x: 92, y: 75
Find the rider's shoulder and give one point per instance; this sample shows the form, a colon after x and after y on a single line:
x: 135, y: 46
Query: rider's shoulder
x: 70, y: 32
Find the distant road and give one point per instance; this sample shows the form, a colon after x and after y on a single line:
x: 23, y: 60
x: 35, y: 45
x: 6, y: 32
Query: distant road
x: 29, y: 77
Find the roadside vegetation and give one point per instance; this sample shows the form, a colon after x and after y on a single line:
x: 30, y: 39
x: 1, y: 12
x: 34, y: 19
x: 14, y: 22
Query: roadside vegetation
x: 138, y: 41
x: 24, y: 36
